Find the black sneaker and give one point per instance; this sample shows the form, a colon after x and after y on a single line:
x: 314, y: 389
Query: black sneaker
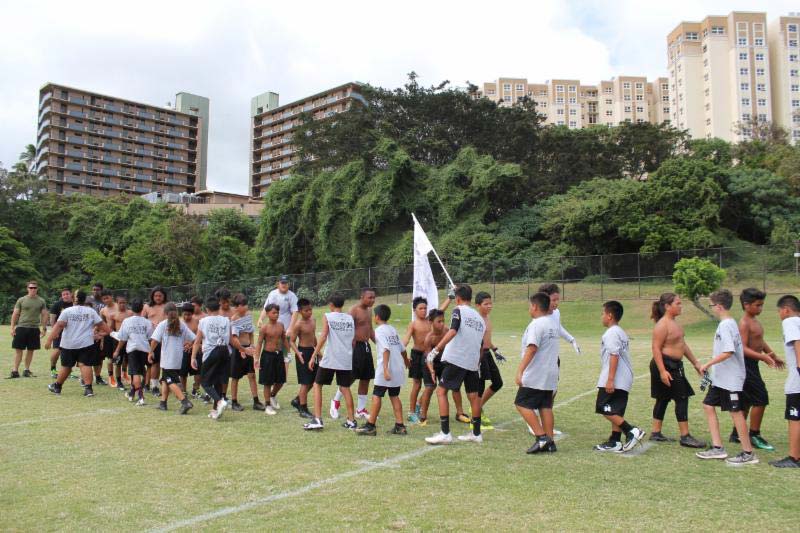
x: 206, y: 399
x: 185, y: 406
x: 162, y: 405
x: 349, y: 424
x: 398, y: 430
x: 786, y: 462
x: 551, y: 447
x: 88, y: 392
x: 305, y: 413
x: 27, y: 374
x: 257, y: 405
x: 155, y: 392
x: 296, y: 403
x: 734, y: 437
x: 54, y: 388
x: 687, y: 441
x: 100, y: 381
x: 540, y: 445
x: 196, y: 394
x: 120, y: 385
x: 657, y: 436
x: 367, y: 429
x: 236, y: 406
x: 14, y: 374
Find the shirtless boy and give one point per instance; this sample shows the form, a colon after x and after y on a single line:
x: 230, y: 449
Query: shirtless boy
x: 269, y: 360
x: 154, y: 312
x: 302, y: 340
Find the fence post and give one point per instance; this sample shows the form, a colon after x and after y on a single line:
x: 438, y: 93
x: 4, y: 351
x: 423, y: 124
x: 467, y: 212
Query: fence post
x: 602, y: 280
x: 639, y: 272
x: 397, y: 290
x: 563, y: 284
x: 720, y: 257
x: 494, y: 285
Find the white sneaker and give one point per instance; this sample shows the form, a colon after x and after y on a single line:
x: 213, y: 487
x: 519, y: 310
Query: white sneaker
x: 440, y: 438
x: 636, y: 437
x: 315, y: 424
x: 140, y: 403
x: 335, y: 404
x: 269, y: 410
x: 274, y: 403
x: 221, y: 405
x: 213, y: 415
x: 556, y: 432
x: 471, y: 437
x: 362, y: 413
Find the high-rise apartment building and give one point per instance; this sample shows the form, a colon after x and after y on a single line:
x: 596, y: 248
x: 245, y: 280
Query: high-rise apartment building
x: 784, y: 58
x: 272, y: 154
x: 565, y: 102
x: 101, y: 145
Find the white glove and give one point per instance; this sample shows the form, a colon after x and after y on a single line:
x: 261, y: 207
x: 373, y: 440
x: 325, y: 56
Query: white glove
x: 575, y: 346
x: 432, y: 355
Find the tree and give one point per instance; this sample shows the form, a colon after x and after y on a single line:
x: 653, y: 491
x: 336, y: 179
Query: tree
x: 697, y: 277
x: 16, y: 266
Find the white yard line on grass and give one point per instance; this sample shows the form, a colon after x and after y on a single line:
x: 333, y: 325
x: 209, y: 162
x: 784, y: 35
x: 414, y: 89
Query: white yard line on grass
x: 65, y: 417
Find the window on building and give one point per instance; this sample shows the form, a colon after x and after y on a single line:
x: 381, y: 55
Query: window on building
x: 627, y: 98
x: 665, y: 110
x: 708, y: 122
x: 761, y: 87
x: 640, y: 109
x: 746, y: 117
x: 795, y: 88
x: 507, y: 98
x: 665, y: 86
x: 573, y: 112
x: 743, y: 56
x: 573, y: 124
x: 559, y: 111
x: 744, y: 72
x: 559, y: 99
x: 490, y: 92
x: 759, y: 56
x: 609, y: 101
x: 791, y: 27
x: 626, y: 85
x: 796, y: 118
x: 639, y: 85
x: 717, y: 30
x: 742, y: 41
x: 608, y: 90
x: 542, y: 104
x: 794, y: 73
x: 559, y: 88
x: 792, y: 43
x: 639, y: 97
x: 746, y: 102
x: 760, y: 72
x: 758, y: 41
x: 795, y: 134
x: 795, y: 103
x: 573, y: 88
x: 609, y: 113
x: 762, y: 117
x: 692, y: 36
x: 744, y: 86
x: 793, y: 58
x: 627, y: 109
x: 520, y: 87
x: 560, y: 122
x: 762, y: 102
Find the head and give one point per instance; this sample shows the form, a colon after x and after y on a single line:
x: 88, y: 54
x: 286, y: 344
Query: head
x: 436, y: 318
x: 283, y: 284
x: 539, y: 305
x: 32, y: 287
x: 107, y: 297
x: 197, y: 303
x: 752, y: 301
x: 173, y: 321
x: 240, y: 303
x: 158, y: 296
x: 224, y: 297
x: 367, y: 298
x: 336, y: 302
x: 483, y: 301
x: 463, y: 294
x: 552, y: 290
x: 137, y: 305
x: 122, y: 302
x: 667, y: 304
x: 788, y: 306
x: 305, y: 308
x: 721, y: 301
x: 272, y: 312
x: 212, y: 304
x: 97, y: 290
x: 612, y: 313
x: 80, y: 297
x: 382, y: 313
x: 66, y: 295
x: 187, y: 311
x: 420, y: 307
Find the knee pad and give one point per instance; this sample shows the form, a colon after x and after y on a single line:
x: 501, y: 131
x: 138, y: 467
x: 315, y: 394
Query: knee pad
x: 660, y: 409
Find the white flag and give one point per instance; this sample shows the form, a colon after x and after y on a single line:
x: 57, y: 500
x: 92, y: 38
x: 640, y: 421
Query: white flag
x: 424, y: 284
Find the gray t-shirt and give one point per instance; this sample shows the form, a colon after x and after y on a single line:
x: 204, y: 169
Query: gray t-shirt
x: 287, y: 304
x: 387, y: 339
x: 136, y: 331
x: 79, y: 322
x: 465, y: 349
x: 730, y: 373
x: 791, y: 333
x: 542, y: 372
x: 339, y: 348
x: 615, y: 342
x: 172, y: 345
x: 216, y: 331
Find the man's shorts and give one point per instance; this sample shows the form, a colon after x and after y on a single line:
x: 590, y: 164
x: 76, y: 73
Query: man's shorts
x: 26, y: 339
x: 71, y: 357
x: 680, y: 388
x: 363, y: 366
x: 453, y: 376
x: 272, y: 370
x: 344, y: 378
x: 170, y: 376
x: 305, y: 376
x: 380, y: 390
x: 109, y: 345
x: 724, y: 399
x: 754, y: 392
x: 240, y: 367
x: 529, y: 398
x: 793, y: 407
x: 611, y: 404
x: 137, y: 360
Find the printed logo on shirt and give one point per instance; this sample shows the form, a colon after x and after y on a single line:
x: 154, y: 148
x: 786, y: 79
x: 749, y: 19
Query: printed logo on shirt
x: 473, y: 323
x: 393, y: 340
x: 217, y: 329
x: 140, y: 329
x: 341, y: 325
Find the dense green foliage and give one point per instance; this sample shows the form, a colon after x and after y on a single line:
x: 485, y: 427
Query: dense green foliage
x: 696, y: 277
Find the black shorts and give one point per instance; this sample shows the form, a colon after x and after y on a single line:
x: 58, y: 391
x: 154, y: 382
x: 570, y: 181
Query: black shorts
x: 754, y: 391
x: 240, y: 367
x: 156, y: 354
x: 109, y: 345
x: 489, y: 371
x: 363, y: 365
x: 71, y: 357
x: 680, y: 388
x: 216, y: 367
x: 171, y: 377
x: 137, y: 360
x: 724, y: 399
x: 187, y: 363
x: 273, y: 369
x: 305, y: 376
x: 57, y: 342
x: 453, y: 376
x: 26, y: 339
x: 793, y: 407
x: 417, y: 365
x: 344, y: 378
x: 380, y: 390
x: 528, y: 398
x: 97, y: 354
x: 438, y: 366
x: 611, y: 404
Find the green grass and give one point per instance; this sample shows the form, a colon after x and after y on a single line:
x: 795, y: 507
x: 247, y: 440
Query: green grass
x: 71, y: 463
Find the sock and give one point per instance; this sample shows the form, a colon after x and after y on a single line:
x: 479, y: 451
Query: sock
x: 753, y: 432
x: 445, y: 421
x: 52, y: 367
x: 625, y: 427
x: 110, y: 373
x: 362, y: 402
x: 153, y: 383
x: 616, y: 436
x: 338, y: 396
x: 476, y: 425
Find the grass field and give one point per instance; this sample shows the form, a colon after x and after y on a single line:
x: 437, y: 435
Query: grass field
x: 70, y: 463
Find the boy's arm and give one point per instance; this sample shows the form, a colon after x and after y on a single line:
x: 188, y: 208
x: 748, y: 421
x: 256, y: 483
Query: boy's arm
x: 715, y: 360
x: 797, y: 361
x: 564, y: 334
x: 386, y: 355
x: 659, y: 336
x: 690, y: 356
x: 530, y: 353
x: 151, y: 355
x: 45, y: 317
x: 744, y: 333
x: 120, y: 345
x: 198, y: 343
x: 323, y: 338
x: 613, y: 362
x: 54, y: 333
x: 409, y: 332
x: 292, y: 337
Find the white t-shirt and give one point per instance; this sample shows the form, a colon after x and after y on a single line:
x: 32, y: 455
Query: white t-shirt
x: 615, y: 342
x: 78, y: 332
x: 172, y: 345
x: 287, y: 304
x: 465, y: 349
x: 216, y: 331
x: 563, y: 333
x: 730, y: 373
x: 339, y: 348
x: 136, y: 331
x: 791, y: 333
x: 542, y: 372
x: 386, y: 338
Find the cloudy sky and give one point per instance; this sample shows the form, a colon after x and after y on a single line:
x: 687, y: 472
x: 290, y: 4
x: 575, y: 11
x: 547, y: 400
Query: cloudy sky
x: 230, y: 51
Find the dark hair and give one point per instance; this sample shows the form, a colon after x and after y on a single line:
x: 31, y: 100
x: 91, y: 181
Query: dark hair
x: 98, y: 286
x: 196, y: 300
x: 549, y: 289
x: 367, y: 289
x: 750, y: 295
x: 433, y: 313
x: 541, y: 300
x: 481, y: 296
x: 790, y: 301
x: 222, y: 294
x: 336, y: 299
x: 303, y: 302
x: 659, y: 307
x: 137, y: 305
x: 64, y: 289
x: 613, y: 308
x: 187, y: 307
x: 383, y: 312
x: 80, y: 296
x: 418, y: 300
x: 722, y: 297
x: 106, y: 292
x: 270, y: 307
x: 464, y: 292
x: 212, y: 304
x: 239, y: 299
x: 173, y: 321
x: 120, y: 296
x: 157, y: 288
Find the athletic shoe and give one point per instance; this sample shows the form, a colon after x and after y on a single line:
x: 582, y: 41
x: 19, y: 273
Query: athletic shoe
x: 335, y: 404
x: 761, y: 443
x: 213, y: 415
x: 349, y: 424
x: 713, y: 453
x: 440, y: 438
x: 257, y: 405
x: 196, y: 394
x: 269, y: 410
x: 273, y: 401
x: 464, y: 419
x: 53, y: 373
x: 155, y: 392
x: 120, y: 386
x: 185, y: 406
x: 54, y: 389
x: 398, y: 430
x: 734, y: 438
x: 27, y: 373
x: 112, y: 382
x: 88, y: 392
x: 471, y: 437
x: 657, y: 436
x: 221, y: 405
x: 140, y: 403
x: 609, y: 446
x: 486, y: 423
x: 367, y: 430
x: 100, y: 381
x: 73, y: 376
x: 688, y: 441
x: 417, y: 410
x: 236, y: 406
x: 362, y: 413
x: 162, y: 406
x: 423, y: 422
x: 786, y: 462
x: 305, y: 413
x: 129, y: 395
x: 206, y: 399
x: 742, y: 458
x: 556, y: 432
x: 296, y: 403
x: 413, y: 418
x: 14, y: 374
x: 635, y: 437
x: 315, y: 424
x: 540, y: 445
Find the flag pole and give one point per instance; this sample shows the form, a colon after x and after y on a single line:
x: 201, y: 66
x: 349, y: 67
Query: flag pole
x: 452, y: 285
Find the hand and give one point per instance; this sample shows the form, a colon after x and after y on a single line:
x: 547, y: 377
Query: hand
x: 386, y: 375
x: 666, y: 378
x: 312, y: 362
x: 249, y: 352
x: 500, y: 358
x: 44, y: 331
x: 406, y: 361
x: 699, y: 369
x: 451, y: 293
x: 703, y: 368
x: 187, y: 346
x: 610, y: 386
x: 150, y: 358
x: 518, y: 379
x: 770, y: 362
x: 300, y: 357
x: 779, y: 363
x: 194, y: 363
x: 47, y: 345
x: 13, y: 330
x: 433, y: 374
x: 575, y: 347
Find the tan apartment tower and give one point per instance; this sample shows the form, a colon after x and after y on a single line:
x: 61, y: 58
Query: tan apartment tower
x: 90, y: 143
x: 784, y: 59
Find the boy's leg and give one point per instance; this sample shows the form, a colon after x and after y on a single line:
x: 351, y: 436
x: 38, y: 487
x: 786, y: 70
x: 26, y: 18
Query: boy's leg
x: 756, y: 416
x: 416, y: 384
x: 87, y: 373
x: 547, y: 421
x: 234, y: 388
x: 740, y: 424
x: 302, y: 394
x: 458, y: 402
x: 397, y: 407
x: 17, y: 360
x: 444, y: 409
x: 374, y: 409
x: 713, y: 425
x: 425, y: 402
x: 794, y: 439
x: 164, y: 391
x: 317, y: 399
x: 63, y: 374
x: 176, y: 390
x: 251, y: 378
x: 682, y: 415
x: 348, y: 401
x: 28, y: 359
x: 275, y: 389
x: 530, y: 418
